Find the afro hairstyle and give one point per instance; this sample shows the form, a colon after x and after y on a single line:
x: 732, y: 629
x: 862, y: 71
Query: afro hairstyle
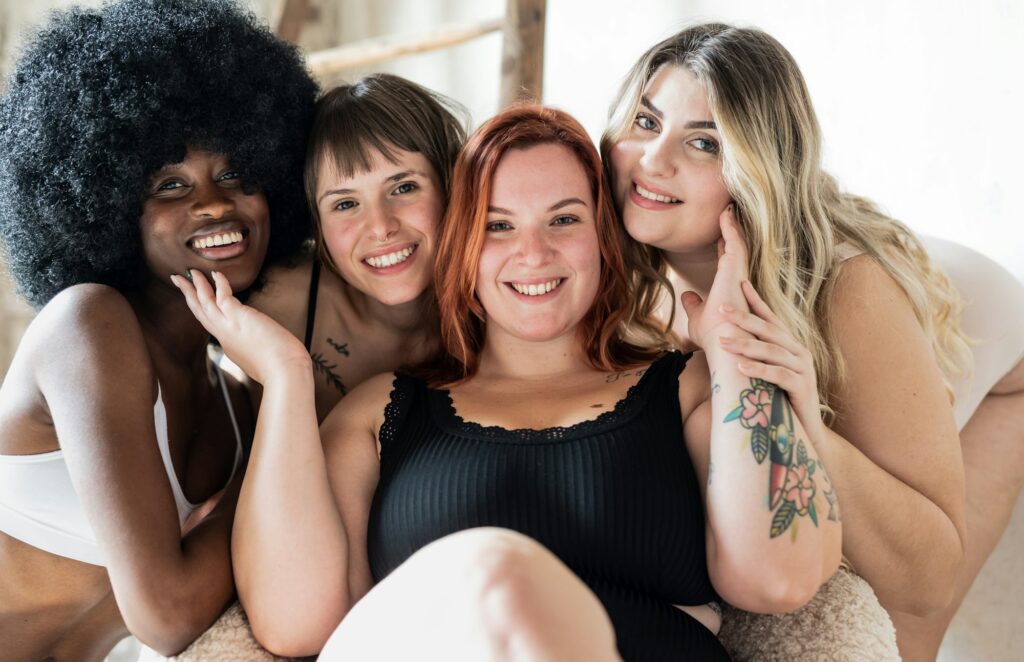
x: 101, y: 99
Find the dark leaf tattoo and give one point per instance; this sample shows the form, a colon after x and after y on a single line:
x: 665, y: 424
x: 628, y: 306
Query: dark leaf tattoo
x: 326, y: 370
x: 783, y: 518
x: 341, y: 348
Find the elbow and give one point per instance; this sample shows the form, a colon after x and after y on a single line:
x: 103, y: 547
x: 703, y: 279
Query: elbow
x: 168, y: 633
x: 929, y: 586
x: 777, y: 595
x: 766, y: 588
x: 922, y: 599
x: 286, y: 637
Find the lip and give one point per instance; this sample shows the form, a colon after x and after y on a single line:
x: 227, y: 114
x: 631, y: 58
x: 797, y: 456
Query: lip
x: 387, y: 250
x: 219, y: 253
x: 647, y: 203
x: 537, y: 298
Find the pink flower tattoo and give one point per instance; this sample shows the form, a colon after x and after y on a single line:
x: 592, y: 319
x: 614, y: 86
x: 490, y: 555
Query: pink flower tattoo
x: 799, y: 488
x: 756, y: 403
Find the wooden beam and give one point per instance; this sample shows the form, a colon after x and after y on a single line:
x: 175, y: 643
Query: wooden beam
x: 288, y: 17
x: 522, y: 59
x: 381, y: 49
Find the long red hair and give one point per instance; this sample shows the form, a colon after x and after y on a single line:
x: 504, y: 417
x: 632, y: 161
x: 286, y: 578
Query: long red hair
x: 603, y: 330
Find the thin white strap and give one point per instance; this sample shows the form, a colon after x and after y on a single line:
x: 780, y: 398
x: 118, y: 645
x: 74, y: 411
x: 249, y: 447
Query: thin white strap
x: 163, y: 442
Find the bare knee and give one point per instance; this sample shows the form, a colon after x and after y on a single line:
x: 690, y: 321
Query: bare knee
x: 529, y: 604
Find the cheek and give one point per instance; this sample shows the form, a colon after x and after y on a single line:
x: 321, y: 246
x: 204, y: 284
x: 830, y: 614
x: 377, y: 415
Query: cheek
x: 339, y: 242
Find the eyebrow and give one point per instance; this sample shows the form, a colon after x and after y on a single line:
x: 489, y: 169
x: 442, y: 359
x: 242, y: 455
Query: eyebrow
x: 700, y: 124
x: 393, y: 178
x: 555, y: 207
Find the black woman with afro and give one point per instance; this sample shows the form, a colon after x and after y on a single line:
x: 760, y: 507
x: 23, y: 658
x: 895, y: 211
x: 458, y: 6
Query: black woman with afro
x: 137, y: 141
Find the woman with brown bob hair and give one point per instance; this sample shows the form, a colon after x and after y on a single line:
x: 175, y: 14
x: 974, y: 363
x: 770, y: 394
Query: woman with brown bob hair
x: 545, y: 490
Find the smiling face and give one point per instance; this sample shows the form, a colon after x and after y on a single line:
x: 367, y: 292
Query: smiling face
x: 379, y: 226
x: 540, y: 264
x: 667, y: 167
x: 196, y: 215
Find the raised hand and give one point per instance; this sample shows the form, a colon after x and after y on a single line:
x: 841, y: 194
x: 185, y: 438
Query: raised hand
x: 725, y: 294
x: 775, y: 356
x: 256, y: 343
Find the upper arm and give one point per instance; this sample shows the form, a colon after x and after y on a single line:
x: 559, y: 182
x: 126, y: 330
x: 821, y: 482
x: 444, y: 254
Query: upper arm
x: 95, y: 373
x: 695, y: 406
x: 892, y: 404
x: 349, y: 436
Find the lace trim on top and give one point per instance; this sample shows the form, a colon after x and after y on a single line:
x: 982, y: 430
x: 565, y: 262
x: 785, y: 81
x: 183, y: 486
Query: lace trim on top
x: 627, y: 408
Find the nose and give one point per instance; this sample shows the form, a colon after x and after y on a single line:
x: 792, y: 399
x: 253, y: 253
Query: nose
x: 382, y: 224
x: 656, y: 158
x: 211, y: 201
x: 534, y: 248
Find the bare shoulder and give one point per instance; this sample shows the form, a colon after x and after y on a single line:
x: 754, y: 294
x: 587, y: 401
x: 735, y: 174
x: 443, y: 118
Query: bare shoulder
x: 863, y: 285
x: 362, y: 409
x: 285, y: 293
x: 86, y: 324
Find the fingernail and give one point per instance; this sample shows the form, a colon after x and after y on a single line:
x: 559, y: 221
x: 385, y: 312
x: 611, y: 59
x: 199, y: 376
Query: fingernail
x: 188, y: 274
x: 726, y: 308
x: 725, y: 340
x: 745, y: 367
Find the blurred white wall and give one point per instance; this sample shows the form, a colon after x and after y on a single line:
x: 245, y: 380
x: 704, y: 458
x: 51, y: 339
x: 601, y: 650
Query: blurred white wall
x: 920, y: 103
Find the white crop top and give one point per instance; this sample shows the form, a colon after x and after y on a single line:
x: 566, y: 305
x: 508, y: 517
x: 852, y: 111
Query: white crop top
x: 39, y: 506
x: 993, y: 317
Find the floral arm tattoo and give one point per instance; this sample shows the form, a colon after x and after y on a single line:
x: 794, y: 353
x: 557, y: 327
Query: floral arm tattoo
x: 764, y: 409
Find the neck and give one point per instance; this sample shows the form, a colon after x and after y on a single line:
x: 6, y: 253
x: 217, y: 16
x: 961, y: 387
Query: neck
x: 504, y: 356
x: 411, y: 324
x: 693, y: 271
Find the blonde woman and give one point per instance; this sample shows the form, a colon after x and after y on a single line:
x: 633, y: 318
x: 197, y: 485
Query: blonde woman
x: 853, y: 316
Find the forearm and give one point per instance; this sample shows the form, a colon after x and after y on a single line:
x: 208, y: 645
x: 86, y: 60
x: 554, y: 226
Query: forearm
x: 898, y: 539
x: 773, y: 520
x: 289, y: 543
x: 168, y: 609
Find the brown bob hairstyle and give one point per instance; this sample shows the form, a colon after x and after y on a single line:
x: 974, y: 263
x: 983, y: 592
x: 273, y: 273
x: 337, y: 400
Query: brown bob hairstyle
x: 380, y: 112
x: 608, y: 337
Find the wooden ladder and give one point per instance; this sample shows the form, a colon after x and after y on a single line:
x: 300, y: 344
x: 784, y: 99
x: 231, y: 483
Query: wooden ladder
x: 522, y: 60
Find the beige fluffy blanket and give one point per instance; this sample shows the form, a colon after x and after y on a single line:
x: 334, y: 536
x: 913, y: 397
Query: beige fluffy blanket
x: 229, y: 640
x: 843, y: 623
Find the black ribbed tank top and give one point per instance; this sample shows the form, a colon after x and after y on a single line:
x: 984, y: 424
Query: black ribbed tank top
x: 615, y: 498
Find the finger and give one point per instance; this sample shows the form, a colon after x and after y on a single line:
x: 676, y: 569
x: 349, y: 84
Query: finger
x: 223, y: 289
x: 205, y: 294
x: 734, y: 243
x: 757, y: 304
x: 765, y: 331
x: 191, y: 300
x: 690, y: 300
x: 784, y: 378
x: 764, y: 352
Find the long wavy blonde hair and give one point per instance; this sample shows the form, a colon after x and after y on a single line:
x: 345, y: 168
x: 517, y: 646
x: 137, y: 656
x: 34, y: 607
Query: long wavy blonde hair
x: 791, y: 211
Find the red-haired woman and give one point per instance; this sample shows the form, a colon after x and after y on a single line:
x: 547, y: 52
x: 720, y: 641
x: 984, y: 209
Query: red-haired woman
x: 557, y: 486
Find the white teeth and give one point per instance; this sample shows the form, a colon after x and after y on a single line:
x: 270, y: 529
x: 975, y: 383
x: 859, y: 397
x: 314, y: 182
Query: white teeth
x: 644, y: 193
x: 536, y: 289
x: 390, y: 259
x: 222, y: 239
